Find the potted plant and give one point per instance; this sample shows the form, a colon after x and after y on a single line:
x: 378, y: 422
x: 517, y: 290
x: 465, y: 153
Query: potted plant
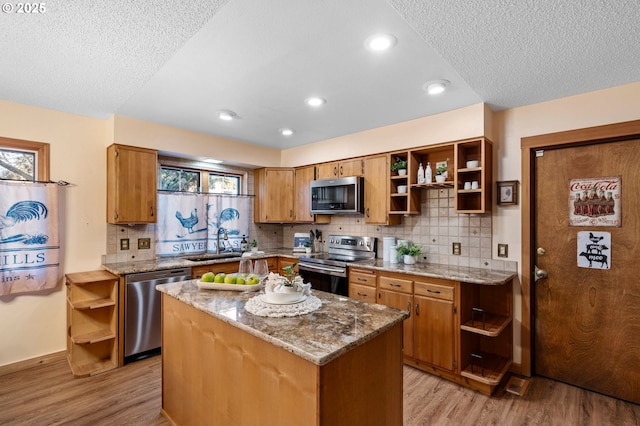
x: 441, y: 171
x: 308, y: 246
x: 400, y: 166
x: 253, y: 245
x: 409, y: 253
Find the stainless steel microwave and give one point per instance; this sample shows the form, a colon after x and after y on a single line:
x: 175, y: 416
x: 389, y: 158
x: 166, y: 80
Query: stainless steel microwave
x: 337, y: 196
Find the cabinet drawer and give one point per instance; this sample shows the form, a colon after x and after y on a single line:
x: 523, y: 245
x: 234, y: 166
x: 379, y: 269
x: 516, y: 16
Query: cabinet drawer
x: 362, y: 292
x: 396, y: 284
x: 358, y: 276
x: 436, y: 291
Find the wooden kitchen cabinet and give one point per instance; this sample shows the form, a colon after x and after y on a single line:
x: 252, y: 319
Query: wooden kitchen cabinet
x: 131, y: 184
x: 486, y: 342
x: 226, y: 268
x: 362, y: 284
x: 335, y: 169
x: 376, y: 190
x: 302, y: 184
x: 435, y: 323
x: 92, y: 322
x: 274, y: 195
x: 476, y: 200
x: 287, y: 261
x: 396, y: 291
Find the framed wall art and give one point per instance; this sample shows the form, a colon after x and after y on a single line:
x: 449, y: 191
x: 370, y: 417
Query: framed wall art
x: 507, y: 192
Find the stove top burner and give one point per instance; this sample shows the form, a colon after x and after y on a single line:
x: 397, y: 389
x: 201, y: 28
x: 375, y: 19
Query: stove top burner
x: 343, y: 249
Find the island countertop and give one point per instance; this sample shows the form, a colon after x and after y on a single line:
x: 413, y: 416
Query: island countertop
x: 339, y: 325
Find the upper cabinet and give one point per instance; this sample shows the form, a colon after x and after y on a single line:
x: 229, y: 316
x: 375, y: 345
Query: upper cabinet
x: 131, y: 184
x: 473, y: 176
x: 274, y: 190
x: 344, y: 168
x: 302, y: 208
x: 376, y: 188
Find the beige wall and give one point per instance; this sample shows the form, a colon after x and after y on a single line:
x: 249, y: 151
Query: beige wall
x: 459, y: 124
x: 78, y: 156
x: 129, y: 131
x: 35, y: 324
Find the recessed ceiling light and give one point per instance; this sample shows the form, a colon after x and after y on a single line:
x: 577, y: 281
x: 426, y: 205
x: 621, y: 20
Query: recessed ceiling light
x: 226, y: 115
x: 315, y: 101
x: 286, y: 131
x: 436, y: 86
x: 380, y: 42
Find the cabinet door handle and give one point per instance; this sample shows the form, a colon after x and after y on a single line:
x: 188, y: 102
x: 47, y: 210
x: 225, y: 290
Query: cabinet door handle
x: 340, y: 170
x: 362, y: 279
x: 362, y: 294
x: 395, y: 285
x: 417, y: 309
x: 335, y: 170
x: 433, y: 291
x: 368, y: 212
x: 151, y: 211
x: 290, y: 213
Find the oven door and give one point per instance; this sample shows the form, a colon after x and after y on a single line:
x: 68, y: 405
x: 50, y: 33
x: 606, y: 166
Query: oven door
x: 329, y: 278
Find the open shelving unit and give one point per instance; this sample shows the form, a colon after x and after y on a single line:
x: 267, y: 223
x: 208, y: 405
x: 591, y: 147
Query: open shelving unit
x: 473, y: 200
x: 486, y: 341
x: 92, y: 322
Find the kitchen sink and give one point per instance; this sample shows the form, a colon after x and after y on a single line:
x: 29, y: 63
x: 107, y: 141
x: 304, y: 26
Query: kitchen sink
x: 208, y: 257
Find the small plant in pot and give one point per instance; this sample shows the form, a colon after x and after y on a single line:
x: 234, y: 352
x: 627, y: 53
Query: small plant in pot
x: 441, y: 171
x: 399, y: 166
x: 308, y: 246
x: 253, y: 245
x: 409, y: 253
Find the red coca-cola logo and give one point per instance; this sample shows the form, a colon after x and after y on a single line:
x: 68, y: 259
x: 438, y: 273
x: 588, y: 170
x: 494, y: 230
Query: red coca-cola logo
x: 604, y: 185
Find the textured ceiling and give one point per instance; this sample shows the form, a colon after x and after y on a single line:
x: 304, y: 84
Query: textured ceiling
x: 178, y: 63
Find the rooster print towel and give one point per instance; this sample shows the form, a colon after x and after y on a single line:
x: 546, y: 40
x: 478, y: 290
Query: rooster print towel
x: 182, y: 224
x: 29, y: 239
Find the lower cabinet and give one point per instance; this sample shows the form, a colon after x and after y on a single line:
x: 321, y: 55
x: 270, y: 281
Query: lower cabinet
x: 92, y: 322
x: 459, y: 331
x: 227, y: 268
x: 362, y: 284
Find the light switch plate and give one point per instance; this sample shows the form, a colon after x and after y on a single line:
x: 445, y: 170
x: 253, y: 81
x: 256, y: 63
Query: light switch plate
x: 503, y: 250
x: 124, y: 244
x: 457, y: 249
x: 144, y: 243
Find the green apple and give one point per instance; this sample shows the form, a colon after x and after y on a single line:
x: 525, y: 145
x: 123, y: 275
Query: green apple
x: 208, y: 277
x: 230, y: 279
x: 240, y: 280
x: 253, y: 280
x: 219, y: 278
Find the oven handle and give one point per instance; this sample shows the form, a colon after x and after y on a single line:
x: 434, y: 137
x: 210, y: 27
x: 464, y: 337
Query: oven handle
x: 324, y: 269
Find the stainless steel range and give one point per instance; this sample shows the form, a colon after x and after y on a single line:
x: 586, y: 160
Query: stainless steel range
x: 328, y: 271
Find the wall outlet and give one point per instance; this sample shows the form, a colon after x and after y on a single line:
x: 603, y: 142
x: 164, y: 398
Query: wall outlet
x: 457, y: 249
x: 144, y: 243
x: 124, y: 244
x: 503, y: 250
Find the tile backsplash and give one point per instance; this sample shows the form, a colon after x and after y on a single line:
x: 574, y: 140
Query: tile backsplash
x: 436, y: 229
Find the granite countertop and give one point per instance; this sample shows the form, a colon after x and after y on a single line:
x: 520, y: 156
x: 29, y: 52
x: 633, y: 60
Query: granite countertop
x: 338, y: 326
x: 447, y: 272
x: 134, y: 267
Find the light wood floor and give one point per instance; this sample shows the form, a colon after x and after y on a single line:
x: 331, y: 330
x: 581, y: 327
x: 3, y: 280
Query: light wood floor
x: 49, y: 395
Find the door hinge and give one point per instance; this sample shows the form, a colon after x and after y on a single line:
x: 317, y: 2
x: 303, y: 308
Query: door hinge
x: 540, y: 153
x: 455, y: 364
x: 455, y: 309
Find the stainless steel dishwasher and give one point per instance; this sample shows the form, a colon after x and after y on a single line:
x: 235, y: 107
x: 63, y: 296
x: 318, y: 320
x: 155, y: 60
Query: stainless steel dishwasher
x: 142, y: 319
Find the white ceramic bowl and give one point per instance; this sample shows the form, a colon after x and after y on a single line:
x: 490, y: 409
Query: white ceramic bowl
x: 402, y: 189
x: 472, y: 164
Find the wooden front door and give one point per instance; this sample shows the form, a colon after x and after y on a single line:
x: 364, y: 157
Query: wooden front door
x: 587, y: 319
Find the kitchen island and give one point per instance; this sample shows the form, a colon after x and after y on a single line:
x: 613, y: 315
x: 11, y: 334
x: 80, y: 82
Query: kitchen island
x: 341, y: 364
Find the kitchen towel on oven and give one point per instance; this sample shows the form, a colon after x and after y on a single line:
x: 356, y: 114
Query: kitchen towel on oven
x: 182, y: 224
x: 29, y: 237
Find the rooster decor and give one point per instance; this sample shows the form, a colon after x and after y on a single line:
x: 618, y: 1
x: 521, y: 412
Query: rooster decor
x: 189, y: 222
x: 23, y: 211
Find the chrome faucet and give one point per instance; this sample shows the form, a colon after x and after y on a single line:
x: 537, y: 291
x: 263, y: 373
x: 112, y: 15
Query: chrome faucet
x: 224, y: 238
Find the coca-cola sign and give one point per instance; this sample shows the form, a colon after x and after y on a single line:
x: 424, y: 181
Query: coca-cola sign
x: 595, y: 201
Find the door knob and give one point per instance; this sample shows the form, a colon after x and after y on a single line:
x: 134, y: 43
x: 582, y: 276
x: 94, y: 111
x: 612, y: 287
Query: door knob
x: 541, y: 251
x: 539, y: 274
